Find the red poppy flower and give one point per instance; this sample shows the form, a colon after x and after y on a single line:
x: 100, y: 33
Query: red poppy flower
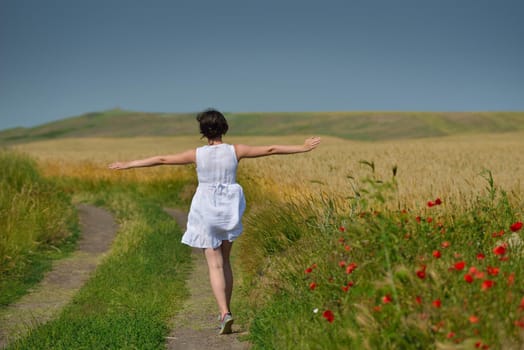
x: 521, y: 306
x: 459, y: 265
x: 468, y: 278
x: 437, y: 303
x: 520, y: 323
x: 511, y: 279
x: 348, y: 286
x: 347, y: 248
x: 312, y: 285
x: 351, y: 267
x: 386, y: 299
x: 499, y: 250
x: 480, y: 256
x: 516, y: 226
x: 422, y: 272
x: 476, y: 273
x: 341, y: 263
x: 431, y: 204
x: 493, y: 271
x: 438, y: 201
x: 418, y: 299
x: 479, y: 275
x: 436, y: 254
x: 341, y: 240
x: 429, y: 220
x: 308, y: 270
x: 445, y: 244
x: 450, y: 335
x: 497, y: 234
x: 329, y: 316
x: 473, y: 319
x: 342, y: 229
x: 418, y: 219
x: 487, y: 284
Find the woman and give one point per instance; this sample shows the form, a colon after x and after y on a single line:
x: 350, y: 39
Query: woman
x: 215, y: 216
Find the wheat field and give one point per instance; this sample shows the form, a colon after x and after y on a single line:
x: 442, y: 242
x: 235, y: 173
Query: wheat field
x: 446, y: 167
x: 281, y: 244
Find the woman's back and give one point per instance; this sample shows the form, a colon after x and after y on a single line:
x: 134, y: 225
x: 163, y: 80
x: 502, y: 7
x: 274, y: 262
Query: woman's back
x: 216, y: 164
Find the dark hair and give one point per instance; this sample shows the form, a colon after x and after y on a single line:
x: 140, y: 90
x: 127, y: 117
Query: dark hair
x: 213, y: 124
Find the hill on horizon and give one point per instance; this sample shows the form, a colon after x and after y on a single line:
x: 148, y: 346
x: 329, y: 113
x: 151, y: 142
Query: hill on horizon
x: 361, y: 126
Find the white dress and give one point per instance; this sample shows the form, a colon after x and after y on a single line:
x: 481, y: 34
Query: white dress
x: 218, y: 204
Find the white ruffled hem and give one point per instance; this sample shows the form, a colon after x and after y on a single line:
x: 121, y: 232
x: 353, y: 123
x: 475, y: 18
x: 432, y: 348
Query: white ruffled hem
x: 205, y: 241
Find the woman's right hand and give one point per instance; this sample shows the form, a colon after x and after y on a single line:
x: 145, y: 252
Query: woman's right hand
x: 119, y: 166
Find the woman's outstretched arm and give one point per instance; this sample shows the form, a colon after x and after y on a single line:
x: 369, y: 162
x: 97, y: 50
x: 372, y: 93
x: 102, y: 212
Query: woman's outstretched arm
x: 186, y: 157
x: 244, y: 151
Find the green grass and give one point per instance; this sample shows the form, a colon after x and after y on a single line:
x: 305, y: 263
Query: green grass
x: 295, y: 265
x: 141, y: 283
x: 38, y: 224
x: 294, y: 259
x: 366, y: 126
x: 128, y: 301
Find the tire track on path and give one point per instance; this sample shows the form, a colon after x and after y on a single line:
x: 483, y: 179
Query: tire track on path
x: 67, y: 276
x: 195, y: 327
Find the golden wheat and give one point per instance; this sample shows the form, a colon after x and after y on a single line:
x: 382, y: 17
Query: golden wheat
x: 447, y: 167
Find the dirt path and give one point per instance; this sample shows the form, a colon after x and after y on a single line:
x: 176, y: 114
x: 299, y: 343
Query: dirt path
x: 196, y: 326
x: 67, y: 276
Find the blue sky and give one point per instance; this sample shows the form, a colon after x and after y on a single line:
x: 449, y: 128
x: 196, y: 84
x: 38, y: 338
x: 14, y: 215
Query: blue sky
x: 60, y: 58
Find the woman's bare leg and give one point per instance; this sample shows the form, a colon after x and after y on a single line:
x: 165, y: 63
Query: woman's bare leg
x: 228, y: 272
x: 220, y: 274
